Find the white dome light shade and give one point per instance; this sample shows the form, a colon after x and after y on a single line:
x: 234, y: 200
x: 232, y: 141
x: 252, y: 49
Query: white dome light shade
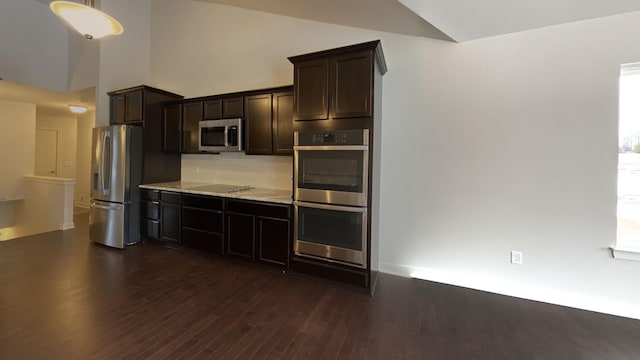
x: 78, y: 109
x: 90, y: 22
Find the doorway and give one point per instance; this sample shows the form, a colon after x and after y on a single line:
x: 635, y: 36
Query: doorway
x: 46, y: 153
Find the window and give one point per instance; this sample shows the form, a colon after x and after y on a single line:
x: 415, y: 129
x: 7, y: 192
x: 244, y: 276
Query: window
x: 628, y: 209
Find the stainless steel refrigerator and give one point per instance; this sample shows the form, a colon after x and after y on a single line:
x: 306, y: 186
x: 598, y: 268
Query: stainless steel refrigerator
x: 116, y: 172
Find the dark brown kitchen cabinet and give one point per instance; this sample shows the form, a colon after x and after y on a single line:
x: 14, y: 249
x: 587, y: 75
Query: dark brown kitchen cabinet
x: 283, y: 123
x: 224, y: 108
x: 126, y: 107
x: 240, y: 235
x: 203, y: 223
x: 160, y: 215
x: 337, y: 83
x: 170, y: 216
x: 171, y: 127
x: 269, y: 123
x: 259, y: 231
x: 351, y: 85
x: 273, y: 237
x: 150, y: 214
x: 258, y: 125
x: 311, y: 89
x: 143, y: 106
x: 116, y: 109
x: 191, y: 117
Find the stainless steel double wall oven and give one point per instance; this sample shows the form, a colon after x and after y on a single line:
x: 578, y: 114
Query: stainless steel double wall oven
x: 331, y: 173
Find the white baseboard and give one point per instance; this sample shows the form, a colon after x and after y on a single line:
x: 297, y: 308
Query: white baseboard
x: 584, y: 302
x: 67, y: 226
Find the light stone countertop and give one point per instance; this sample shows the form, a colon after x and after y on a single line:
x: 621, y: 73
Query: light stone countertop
x: 256, y: 194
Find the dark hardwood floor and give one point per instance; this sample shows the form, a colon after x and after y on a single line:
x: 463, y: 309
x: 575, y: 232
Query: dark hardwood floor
x: 62, y: 297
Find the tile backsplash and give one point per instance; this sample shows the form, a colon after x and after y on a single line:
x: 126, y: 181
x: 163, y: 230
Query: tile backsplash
x: 274, y: 172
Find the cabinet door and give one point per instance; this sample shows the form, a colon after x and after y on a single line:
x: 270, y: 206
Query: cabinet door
x: 150, y: 229
x: 240, y: 235
x: 213, y: 109
x: 283, y: 123
x: 191, y: 117
x: 273, y: 238
x: 116, y: 109
x: 133, y: 106
x: 170, y: 222
x: 352, y: 85
x: 311, y: 90
x: 171, y: 126
x: 233, y: 107
x: 203, y: 240
x: 258, y: 131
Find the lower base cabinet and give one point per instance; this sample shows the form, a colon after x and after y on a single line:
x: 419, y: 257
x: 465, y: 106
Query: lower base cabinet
x: 203, y: 240
x: 202, y: 223
x: 241, y: 230
x: 247, y: 230
x: 160, y: 215
x: 272, y: 240
x: 258, y: 231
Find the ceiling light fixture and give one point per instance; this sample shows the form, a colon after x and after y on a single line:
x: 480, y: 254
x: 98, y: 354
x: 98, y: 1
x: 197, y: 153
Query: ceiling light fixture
x: 78, y: 109
x: 85, y: 19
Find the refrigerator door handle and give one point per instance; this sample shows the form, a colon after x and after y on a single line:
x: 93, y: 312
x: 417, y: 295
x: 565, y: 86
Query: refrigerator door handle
x: 102, y: 207
x: 106, y: 164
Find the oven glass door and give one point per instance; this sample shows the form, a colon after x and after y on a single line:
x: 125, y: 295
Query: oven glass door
x: 334, y: 233
x: 213, y: 136
x: 331, y: 174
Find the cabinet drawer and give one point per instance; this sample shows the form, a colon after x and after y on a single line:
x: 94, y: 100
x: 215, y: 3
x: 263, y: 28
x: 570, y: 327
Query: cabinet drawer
x: 151, y: 195
x: 200, y: 219
x: 150, y: 229
x: 203, y: 202
x: 150, y: 210
x: 170, y: 197
x: 203, y: 240
x: 259, y: 209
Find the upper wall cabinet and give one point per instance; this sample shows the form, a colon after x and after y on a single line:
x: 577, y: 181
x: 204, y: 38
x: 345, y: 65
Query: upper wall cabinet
x: 127, y: 107
x: 172, y: 127
x: 144, y: 106
x: 337, y: 83
x: 224, y: 108
x: 191, y: 117
x: 269, y: 123
x: 283, y: 123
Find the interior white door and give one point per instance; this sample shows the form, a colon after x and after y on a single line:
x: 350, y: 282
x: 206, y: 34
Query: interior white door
x: 46, y: 152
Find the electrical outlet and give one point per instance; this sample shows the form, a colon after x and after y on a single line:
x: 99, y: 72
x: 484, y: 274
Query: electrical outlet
x: 81, y: 197
x: 516, y: 257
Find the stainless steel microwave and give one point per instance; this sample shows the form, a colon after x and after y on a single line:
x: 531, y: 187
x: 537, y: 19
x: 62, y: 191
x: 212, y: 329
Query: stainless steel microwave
x: 222, y: 135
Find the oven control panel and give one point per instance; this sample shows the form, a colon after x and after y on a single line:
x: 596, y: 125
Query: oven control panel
x: 328, y: 138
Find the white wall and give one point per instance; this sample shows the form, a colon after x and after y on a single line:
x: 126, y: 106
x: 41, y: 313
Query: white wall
x: 47, y: 207
x: 506, y: 143
x: 17, y: 150
x: 124, y: 59
x: 34, y: 45
x: 17, y: 147
x: 273, y: 172
x: 82, y: 194
x: 67, y: 138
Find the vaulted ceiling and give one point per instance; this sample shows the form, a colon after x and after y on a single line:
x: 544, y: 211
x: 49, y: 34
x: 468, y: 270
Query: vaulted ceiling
x: 452, y: 20
x: 458, y: 20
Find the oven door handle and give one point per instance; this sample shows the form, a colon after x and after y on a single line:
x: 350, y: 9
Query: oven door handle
x: 338, y: 147
x: 331, y: 207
